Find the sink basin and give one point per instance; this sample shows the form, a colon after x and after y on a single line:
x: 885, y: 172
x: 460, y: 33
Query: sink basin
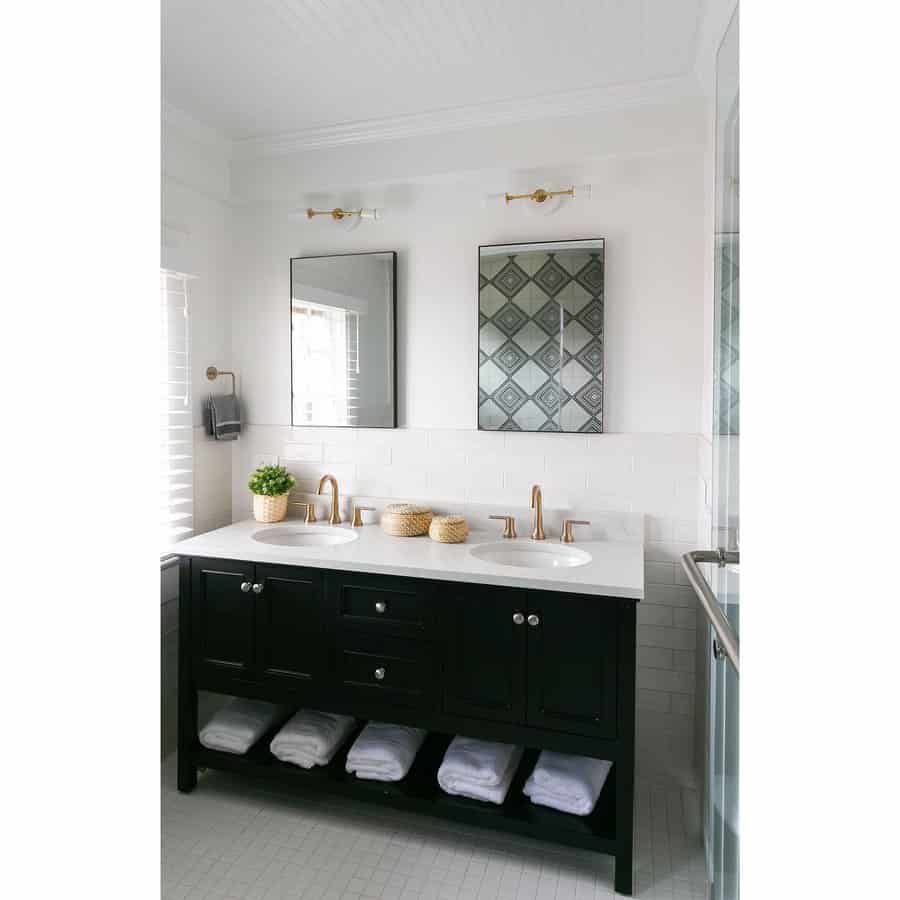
x: 531, y: 555
x: 310, y: 536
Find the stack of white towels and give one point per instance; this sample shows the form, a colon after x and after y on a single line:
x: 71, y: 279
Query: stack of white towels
x: 481, y: 770
x: 568, y: 783
x: 311, y: 738
x: 384, y: 752
x: 238, y: 726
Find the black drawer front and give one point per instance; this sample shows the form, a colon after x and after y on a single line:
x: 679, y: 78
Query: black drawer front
x: 381, y: 605
x: 396, y: 672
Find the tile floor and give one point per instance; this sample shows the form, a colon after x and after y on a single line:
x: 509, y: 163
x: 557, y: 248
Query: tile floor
x: 238, y: 839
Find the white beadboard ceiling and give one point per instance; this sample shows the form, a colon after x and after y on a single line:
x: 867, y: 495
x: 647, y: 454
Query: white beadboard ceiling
x: 262, y: 69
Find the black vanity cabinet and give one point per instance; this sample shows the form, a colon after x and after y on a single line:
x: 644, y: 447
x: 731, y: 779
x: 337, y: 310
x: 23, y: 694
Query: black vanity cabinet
x: 256, y: 623
x: 484, y: 652
x: 572, y: 664
x: 542, y: 669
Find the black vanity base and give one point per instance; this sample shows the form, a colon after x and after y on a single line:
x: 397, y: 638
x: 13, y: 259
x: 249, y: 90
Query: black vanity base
x: 428, y: 647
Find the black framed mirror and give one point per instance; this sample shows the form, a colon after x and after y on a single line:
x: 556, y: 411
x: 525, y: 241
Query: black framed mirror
x: 343, y: 340
x: 540, y: 336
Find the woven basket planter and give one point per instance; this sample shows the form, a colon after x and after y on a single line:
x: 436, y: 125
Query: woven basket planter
x: 269, y: 509
x: 448, y: 529
x: 405, y: 520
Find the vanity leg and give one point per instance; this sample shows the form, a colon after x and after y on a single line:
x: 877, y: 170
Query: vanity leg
x: 187, y: 692
x: 625, y: 764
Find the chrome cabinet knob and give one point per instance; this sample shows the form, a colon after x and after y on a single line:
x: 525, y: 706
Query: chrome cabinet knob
x: 245, y: 586
x: 380, y: 606
x: 257, y: 588
x: 534, y: 620
x: 379, y: 674
x: 518, y: 618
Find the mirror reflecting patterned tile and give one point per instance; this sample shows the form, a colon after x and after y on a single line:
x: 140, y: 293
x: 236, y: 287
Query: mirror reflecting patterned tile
x: 540, y: 341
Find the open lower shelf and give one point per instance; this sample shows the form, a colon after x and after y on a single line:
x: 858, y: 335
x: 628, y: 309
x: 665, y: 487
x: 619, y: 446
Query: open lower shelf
x: 419, y: 792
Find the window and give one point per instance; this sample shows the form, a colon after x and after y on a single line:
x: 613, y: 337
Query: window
x: 326, y: 364
x: 176, y: 459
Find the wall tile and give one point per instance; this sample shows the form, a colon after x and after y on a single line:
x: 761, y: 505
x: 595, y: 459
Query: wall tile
x: 665, y: 680
x: 654, y: 614
x: 684, y: 660
x: 659, y: 636
x: 655, y: 657
x: 685, y: 617
x: 302, y: 452
x: 659, y: 701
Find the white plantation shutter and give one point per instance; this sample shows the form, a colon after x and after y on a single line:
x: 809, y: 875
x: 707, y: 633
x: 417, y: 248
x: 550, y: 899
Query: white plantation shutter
x: 176, y: 460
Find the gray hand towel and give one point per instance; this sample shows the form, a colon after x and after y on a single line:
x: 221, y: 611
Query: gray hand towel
x: 224, y: 417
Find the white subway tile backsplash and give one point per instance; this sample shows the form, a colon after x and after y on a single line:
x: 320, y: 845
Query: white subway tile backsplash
x: 654, y: 614
x: 684, y: 617
x: 658, y: 701
x: 682, y: 704
x: 655, y: 657
x: 684, y: 660
x: 670, y: 594
x: 659, y: 573
x: 335, y: 454
x: 660, y: 636
x: 302, y: 452
x: 665, y: 680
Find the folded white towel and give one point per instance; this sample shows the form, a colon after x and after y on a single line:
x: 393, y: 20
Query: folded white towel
x: 238, y: 726
x: 568, y: 783
x: 481, y: 770
x: 384, y: 752
x: 311, y: 738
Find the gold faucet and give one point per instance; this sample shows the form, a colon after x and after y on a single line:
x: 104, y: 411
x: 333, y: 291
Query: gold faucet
x: 537, y: 504
x: 335, y: 517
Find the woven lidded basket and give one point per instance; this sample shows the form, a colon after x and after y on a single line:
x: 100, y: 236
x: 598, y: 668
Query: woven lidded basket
x: 269, y: 509
x: 405, y: 519
x: 448, y: 529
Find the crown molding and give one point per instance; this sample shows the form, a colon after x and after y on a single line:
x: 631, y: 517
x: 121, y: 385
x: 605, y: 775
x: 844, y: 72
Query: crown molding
x: 482, y: 115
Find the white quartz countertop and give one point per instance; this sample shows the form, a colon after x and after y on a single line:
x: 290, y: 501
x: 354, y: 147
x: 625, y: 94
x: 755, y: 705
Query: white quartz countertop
x: 616, y: 568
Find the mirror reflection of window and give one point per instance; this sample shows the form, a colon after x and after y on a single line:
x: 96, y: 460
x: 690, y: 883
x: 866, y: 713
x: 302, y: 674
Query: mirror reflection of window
x: 342, y: 340
x: 326, y: 347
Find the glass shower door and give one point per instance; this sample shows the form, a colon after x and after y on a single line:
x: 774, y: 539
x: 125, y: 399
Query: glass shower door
x: 723, y: 835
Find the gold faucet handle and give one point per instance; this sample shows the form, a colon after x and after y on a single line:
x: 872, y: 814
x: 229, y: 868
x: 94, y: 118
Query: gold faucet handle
x: 510, y: 530
x: 566, y: 536
x: 310, y: 509
x: 357, y: 518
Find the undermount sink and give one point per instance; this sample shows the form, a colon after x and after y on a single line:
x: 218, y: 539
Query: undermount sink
x: 531, y: 555
x: 310, y: 536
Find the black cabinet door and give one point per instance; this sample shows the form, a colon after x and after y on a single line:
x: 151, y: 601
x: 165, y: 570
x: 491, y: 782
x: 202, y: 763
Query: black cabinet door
x: 222, y: 618
x: 290, y: 643
x: 572, y: 663
x: 484, y: 673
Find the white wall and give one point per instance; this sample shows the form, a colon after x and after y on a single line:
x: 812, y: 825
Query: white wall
x: 196, y: 238
x: 646, y: 166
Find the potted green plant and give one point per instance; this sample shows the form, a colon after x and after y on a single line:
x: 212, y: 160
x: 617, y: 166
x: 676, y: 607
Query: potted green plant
x: 270, y: 486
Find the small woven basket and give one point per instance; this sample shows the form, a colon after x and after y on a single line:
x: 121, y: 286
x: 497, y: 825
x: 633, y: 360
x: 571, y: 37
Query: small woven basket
x: 405, y: 520
x: 269, y: 509
x: 448, y: 529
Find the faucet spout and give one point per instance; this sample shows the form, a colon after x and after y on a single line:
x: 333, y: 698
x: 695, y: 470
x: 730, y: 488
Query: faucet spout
x: 335, y: 517
x: 537, y: 504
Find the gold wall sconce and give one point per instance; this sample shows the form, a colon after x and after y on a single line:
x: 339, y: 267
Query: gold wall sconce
x: 539, y: 195
x: 339, y: 214
x: 543, y: 201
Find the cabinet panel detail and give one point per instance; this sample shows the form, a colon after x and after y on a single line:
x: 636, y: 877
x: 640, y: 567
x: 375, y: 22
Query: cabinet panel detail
x: 572, y: 665
x: 485, y: 653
